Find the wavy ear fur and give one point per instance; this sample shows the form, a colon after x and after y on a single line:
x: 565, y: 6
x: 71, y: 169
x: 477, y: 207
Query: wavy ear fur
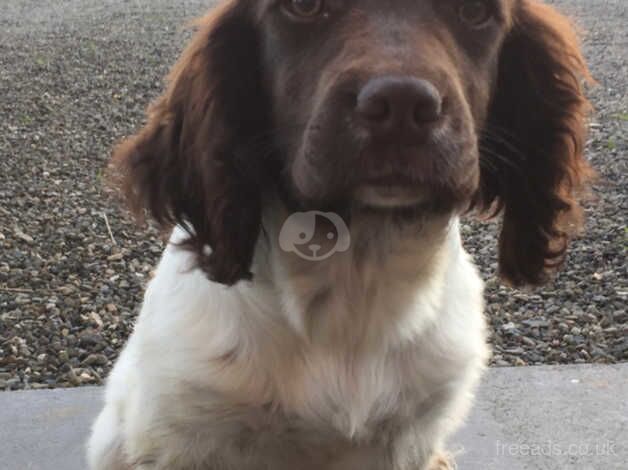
x: 193, y: 162
x: 532, y: 150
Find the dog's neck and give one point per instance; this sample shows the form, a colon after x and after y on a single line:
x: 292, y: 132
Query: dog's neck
x: 389, y: 271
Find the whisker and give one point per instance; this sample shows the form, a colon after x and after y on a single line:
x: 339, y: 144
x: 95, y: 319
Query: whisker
x: 494, y: 155
x: 505, y: 138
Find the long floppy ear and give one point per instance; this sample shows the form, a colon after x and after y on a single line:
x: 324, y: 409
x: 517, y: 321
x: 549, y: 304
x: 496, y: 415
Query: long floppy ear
x: 532, y: 148
x: 193, y: 162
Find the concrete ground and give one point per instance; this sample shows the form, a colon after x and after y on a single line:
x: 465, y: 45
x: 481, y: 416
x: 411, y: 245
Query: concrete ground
x: 549, y: 418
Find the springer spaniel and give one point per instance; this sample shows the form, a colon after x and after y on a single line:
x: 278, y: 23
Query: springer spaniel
x: 292, y: 129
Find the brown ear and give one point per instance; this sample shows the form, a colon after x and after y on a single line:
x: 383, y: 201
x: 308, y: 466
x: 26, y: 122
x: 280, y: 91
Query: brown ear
x: 193, y: 164
x: 532, y: 147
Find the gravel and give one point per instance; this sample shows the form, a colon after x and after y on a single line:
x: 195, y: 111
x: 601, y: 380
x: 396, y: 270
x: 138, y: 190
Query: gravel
x: 76, y: 75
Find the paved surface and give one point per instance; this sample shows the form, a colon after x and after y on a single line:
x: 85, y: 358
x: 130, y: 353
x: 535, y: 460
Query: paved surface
x: 570, y: 417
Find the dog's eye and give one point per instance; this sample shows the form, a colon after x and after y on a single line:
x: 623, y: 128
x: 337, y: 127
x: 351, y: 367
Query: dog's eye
x: 304, y: 9
x: 475, y: 13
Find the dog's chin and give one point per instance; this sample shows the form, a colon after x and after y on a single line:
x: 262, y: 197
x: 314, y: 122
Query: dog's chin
x: 406, y: 201
x: 391, y: 197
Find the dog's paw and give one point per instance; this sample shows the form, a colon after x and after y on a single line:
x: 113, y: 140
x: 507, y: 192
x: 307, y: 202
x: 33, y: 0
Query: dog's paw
x: 441, y: 461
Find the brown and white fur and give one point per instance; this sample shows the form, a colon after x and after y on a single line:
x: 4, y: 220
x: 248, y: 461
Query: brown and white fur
x: 246, y: 356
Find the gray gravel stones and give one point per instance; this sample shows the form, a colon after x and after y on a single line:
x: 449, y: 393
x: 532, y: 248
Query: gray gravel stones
x: 76, y: 75
x: 581, y: 316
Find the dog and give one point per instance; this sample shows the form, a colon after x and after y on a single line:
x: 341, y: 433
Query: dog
x: 315, y: 308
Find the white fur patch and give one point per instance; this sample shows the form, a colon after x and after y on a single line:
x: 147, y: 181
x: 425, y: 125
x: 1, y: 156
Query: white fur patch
x: 312, y: 362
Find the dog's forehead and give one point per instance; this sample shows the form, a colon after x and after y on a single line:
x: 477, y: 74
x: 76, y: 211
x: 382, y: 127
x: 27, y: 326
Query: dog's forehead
x: 505, y: 7
x: 395, y: 22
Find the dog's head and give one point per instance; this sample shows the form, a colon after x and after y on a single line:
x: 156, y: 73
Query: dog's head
x: 381, y: 106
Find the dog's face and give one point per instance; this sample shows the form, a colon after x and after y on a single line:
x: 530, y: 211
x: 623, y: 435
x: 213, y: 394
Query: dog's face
x: 381, y: 103
x: 396, y: 106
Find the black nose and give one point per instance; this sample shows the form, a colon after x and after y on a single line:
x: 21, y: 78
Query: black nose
x: 399, y: 106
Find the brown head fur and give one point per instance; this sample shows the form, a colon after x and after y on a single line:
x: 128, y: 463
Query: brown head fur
x: 260, y: 99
